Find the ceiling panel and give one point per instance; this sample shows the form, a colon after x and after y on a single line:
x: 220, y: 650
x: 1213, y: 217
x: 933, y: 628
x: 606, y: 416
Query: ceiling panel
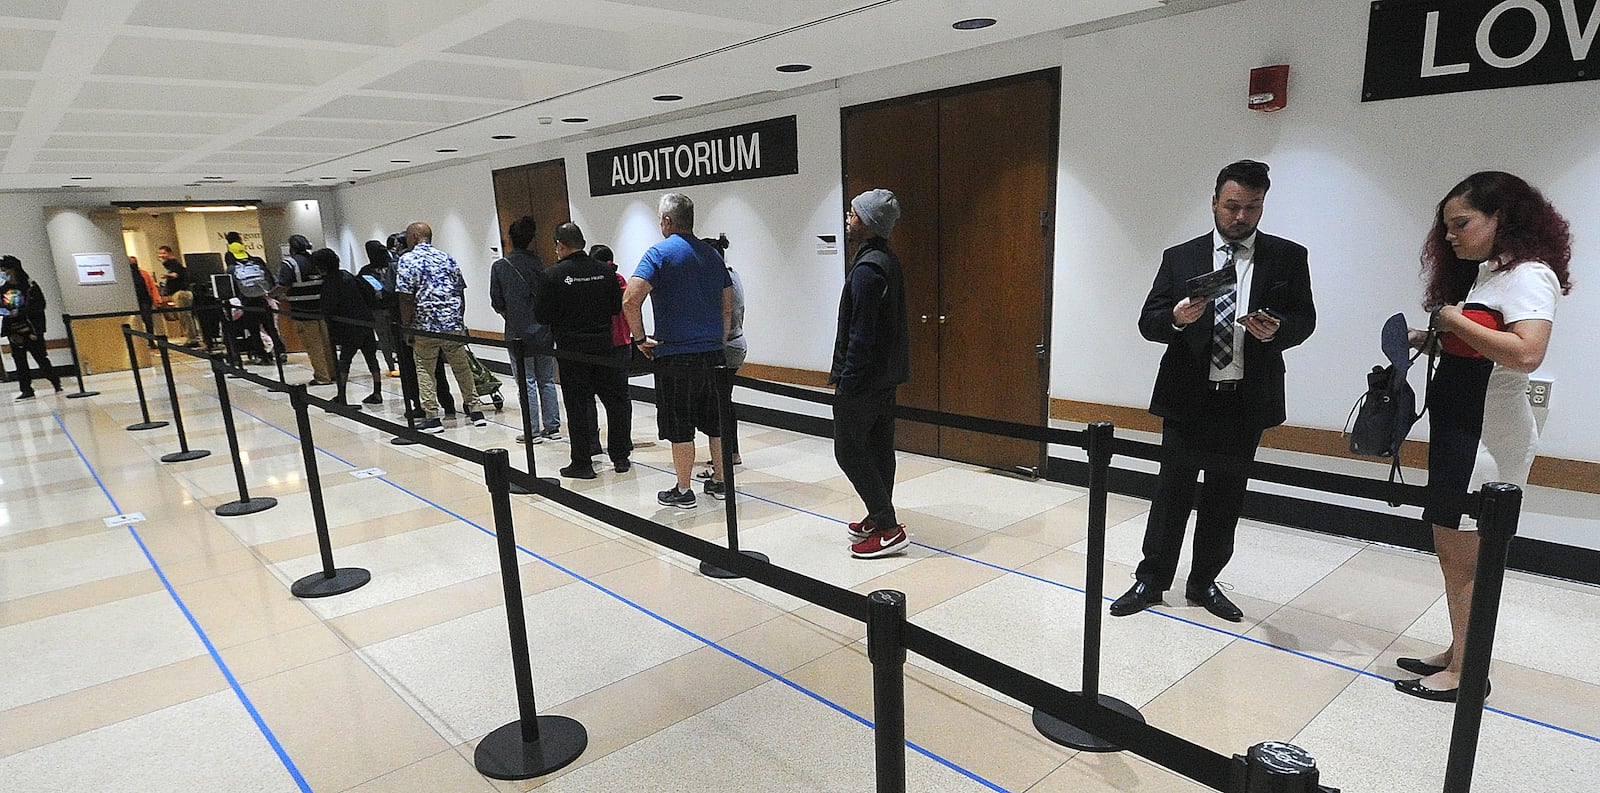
x: 100, y: 156
x: 492, y: 82
x: 24, y: 48
x: 10, y: 120
x: 15, y: 93
x: 438, y: 111
x: 345, y: 130
x: 194, y: 98
x: 565, y: 45
x: 86, y: 121
x: 785, y: 14
x: 231, y: 62
x: 95, y: 169
x: 319, y: 146
x: 292, y: 159
x: 354, y: 21
x: 119, y: 141
x: 34, y: 9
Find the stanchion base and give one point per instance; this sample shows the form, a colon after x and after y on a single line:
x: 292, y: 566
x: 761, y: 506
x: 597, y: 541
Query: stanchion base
x: 183, y: 457
x: 1075, y: 738
x: 145, y: 425
x: 318, y: 585
x: 234, y: 509
x: 82, y: 394
x: 710, y: 570
x: 502, y: 754
x: 399, y: 441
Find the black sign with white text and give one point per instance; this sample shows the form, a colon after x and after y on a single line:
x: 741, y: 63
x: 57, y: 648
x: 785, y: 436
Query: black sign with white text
x: 1422, y: 47
x: 748, y: 151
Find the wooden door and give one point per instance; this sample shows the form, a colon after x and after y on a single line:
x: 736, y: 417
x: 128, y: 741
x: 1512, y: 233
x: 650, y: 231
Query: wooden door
x: 996, y: 163
x: 894, y: 146
x: 974, y: 169
x: 539, y: 190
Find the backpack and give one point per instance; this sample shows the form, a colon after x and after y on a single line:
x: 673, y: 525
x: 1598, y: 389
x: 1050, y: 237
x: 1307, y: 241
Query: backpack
x: 1383, y: 416
x: 251, y: 274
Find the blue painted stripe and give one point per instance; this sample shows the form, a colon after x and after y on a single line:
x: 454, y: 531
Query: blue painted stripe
x: 227, y: 674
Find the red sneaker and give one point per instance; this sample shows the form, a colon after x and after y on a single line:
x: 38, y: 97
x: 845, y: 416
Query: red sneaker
x: 885, y: 542
x: 862, y: 530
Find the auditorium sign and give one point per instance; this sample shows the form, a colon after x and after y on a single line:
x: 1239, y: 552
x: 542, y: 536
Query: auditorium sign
x: 1421, y: 47
x: 748, y: 151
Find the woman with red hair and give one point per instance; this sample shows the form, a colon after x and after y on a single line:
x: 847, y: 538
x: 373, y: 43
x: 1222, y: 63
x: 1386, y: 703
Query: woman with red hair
x: 1496, y: 263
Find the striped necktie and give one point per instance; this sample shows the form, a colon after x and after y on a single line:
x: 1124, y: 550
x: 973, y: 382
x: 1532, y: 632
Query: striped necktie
x: 1222, y: 328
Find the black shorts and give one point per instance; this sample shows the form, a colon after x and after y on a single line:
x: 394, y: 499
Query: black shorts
x: 686, y: 396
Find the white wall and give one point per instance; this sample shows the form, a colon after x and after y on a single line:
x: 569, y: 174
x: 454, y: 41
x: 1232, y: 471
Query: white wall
x: 1149, y: 113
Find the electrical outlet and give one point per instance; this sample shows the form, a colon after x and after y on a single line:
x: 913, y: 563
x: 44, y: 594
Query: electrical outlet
x: 1539, y: 392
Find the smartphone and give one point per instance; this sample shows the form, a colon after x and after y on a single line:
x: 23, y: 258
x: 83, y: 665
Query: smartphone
x: 1261, y: 313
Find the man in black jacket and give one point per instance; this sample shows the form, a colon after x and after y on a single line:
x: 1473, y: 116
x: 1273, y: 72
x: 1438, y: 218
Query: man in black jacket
x: 870, y: 359
x: 579, y: 298
x: 1220, y: 383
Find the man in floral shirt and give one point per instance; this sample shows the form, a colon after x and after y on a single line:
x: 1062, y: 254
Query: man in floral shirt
x: 431, y: 296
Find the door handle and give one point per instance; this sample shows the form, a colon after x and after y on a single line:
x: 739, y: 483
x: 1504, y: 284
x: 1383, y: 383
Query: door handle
x: 924, y: 319
x: 942, y: 318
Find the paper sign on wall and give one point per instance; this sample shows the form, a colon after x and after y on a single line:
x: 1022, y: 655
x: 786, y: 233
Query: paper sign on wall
x: 95, y: 268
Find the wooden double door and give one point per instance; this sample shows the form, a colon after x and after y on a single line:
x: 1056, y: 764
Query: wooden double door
x: 974, y: 170
x: 539, y: 190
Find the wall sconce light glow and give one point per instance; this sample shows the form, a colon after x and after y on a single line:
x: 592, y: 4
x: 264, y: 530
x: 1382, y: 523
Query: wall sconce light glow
x: 222, y: 208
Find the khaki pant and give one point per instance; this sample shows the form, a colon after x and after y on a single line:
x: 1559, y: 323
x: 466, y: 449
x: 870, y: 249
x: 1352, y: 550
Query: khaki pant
x: 191, y: 329
x: 427, y: 351
x: 314, y: 337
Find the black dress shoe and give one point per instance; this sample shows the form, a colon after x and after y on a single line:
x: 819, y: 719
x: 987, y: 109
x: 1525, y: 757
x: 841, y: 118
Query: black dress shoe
x: 1212, y: 600
x: 1140, y: 597
x: 621, y: 466
x: 1416, y: 689
x: 1417, y: 666
x: 578, y: 472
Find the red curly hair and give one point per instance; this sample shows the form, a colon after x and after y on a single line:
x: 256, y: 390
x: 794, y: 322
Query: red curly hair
x: 1530, y: 230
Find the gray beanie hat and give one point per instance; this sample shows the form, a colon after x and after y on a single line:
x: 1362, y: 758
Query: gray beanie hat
x: 877, y: 209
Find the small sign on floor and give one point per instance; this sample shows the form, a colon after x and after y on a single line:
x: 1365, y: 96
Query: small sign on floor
x: 123, y: 520
x: 367, y: 473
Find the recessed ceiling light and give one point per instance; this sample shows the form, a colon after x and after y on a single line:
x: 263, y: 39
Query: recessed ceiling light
x: 327, y: 177
x: 221, y: 208
x: 791, y: 68
x: 574, y: 120
x: 502, y: 137
x: 81, y: 178
x: 399, y: 162
x: 663, y: 98
x: 210, y: 177
x: 361, y: 170
x: 976, y: 23
x: 446, y: 151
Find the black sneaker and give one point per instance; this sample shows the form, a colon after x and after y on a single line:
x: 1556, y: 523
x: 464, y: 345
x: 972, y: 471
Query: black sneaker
x: 374, y: 398
x: 29, y: 395
x: 477, y: 418
x: 430, y: 426
x: 621, y: 466
x: 551, y: 435
x: 673, y: 497
x: 717, y: 490
x: 578, y: 472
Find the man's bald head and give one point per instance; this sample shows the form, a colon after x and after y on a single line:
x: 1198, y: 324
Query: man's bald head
x: 418, y: 233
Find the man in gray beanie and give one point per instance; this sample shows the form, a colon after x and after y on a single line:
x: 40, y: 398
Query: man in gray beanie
x: 870, y: 359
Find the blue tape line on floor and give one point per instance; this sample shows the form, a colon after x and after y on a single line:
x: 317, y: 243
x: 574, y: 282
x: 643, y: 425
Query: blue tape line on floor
x: 227, y: 674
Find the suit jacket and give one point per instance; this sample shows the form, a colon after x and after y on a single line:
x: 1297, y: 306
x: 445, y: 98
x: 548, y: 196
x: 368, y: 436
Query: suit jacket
x: 1280, y: 280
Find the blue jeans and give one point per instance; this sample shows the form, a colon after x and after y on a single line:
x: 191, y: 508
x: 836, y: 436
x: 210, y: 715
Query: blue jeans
x: 542, y: 397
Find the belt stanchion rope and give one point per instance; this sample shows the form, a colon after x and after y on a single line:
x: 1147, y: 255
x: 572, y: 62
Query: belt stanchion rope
x: 519, y: 365
x: 138, y: 385
x: 332, y: 580
x: 886, y: 649
x: 245, y: 505
x: 533, y: 745
x: 77, y: 365
x: 1497, y: 524
x: 1100, y: 436
x: 184, y: 453
x: 720, y: 379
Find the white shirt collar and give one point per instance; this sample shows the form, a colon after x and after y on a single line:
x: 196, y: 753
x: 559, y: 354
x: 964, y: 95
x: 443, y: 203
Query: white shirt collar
x: 1246, y: 245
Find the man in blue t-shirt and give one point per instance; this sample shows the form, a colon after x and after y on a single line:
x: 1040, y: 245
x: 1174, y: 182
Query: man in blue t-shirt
x: 692, y: 301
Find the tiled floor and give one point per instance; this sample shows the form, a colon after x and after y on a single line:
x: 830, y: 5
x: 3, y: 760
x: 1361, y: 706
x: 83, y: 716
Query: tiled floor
x: 168, y: 654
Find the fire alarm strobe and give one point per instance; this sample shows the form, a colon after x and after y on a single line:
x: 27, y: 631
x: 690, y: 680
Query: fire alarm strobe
x: 1269, y: 88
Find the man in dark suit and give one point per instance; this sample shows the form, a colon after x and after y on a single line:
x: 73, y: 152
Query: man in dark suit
x: 1220, y: 383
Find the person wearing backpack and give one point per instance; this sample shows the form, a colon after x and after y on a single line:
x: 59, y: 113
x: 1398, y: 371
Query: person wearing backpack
x: 24, y: 323
x: 346, y: 296
x: 1496, y: 263
x: 300, y: 284
x: 253, y: 284
x: 378, y: 274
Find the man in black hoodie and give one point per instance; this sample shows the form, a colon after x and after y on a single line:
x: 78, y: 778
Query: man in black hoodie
x: 870, y: 359
x: 579, y: 298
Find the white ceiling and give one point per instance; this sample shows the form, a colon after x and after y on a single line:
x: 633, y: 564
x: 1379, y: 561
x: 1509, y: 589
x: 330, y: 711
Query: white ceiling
x: 160, y: 93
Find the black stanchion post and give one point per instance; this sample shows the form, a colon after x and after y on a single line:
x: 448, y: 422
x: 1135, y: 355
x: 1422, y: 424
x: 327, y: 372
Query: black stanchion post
x: 519, y: 366
x: 77, y: 365
x: 245, y: 505
x: 1275, y: 767
x: 719, y: 378
x: 533, y: 745
x: 184, y: 453
x: 1100, y: 435
x: 1497, y: 523
x: 138, y: 385
x: 332, y: 580
x: 408, y: 384
x: 886, y: 649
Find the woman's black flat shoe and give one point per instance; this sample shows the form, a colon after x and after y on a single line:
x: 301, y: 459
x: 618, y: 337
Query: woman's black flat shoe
x: 1416, y: 689
x: 1417, y: 666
